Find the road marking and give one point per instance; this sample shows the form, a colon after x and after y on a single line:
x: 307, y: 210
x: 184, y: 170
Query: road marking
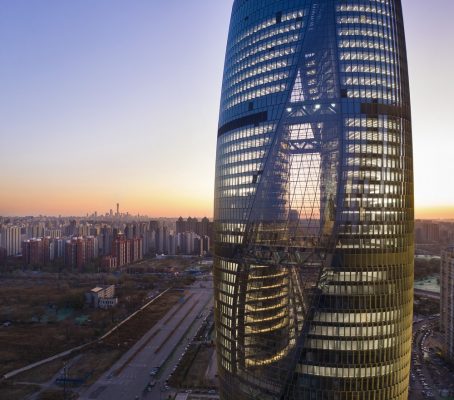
x: 119, y: 371
x: 175, y: 328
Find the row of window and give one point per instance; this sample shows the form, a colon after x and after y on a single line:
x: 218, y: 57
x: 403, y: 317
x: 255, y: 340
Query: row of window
x: 236, y: 181
x: 368, y: 161
x: 239, y: 156
x: 355, y: 331
x: 364, y: 32
x: 371, y: 94
x: 243, y: 145
x: 234, y: 239
x: 239, y: 169
x: 374, y: 175
x: 367, y: 80
x: 359, y: 276
x: 265, y: 91
x: 360, y: 290
x: 245, y: 133
x: 364, y: 244
x: 374, y: 202
x: 358, y: 317
x: 366, y: 44
x: 352, y: 372
x: 373, y: 149
x: 261, y: 69
x: 366, y: 215
x: 363, y: 8
x: 262, y: 80
x: 237, y: 192
x: 251, y: 62
x: 363, y: 20
x: 367, y: 56
x: 382, y: 69
x: 382, y: 122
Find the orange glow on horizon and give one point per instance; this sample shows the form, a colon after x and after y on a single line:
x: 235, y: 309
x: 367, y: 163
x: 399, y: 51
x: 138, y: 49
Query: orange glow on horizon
x: 158, y: 205
x: 434, y: 212
x: 65, y: 205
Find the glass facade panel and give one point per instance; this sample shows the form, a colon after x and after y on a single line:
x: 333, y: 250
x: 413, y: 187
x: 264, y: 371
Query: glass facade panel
x: 314, y: 203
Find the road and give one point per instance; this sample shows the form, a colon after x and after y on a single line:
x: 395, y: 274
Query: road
x: 427, y: 293
x: 162, y: 346
x: 426, y: 374
x: 420, y: 373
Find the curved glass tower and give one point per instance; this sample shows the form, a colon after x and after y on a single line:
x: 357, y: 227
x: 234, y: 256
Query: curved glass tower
x: 314, y: 203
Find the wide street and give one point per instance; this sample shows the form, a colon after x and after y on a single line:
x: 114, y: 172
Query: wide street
x: 162, y: 347
x: 430, y: 375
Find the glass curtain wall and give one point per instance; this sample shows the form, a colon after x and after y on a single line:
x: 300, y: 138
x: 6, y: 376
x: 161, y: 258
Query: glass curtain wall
x: 314, y: 203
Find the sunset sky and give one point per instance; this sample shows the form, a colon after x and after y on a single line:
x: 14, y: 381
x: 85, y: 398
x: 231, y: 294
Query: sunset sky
x: 106, y: 101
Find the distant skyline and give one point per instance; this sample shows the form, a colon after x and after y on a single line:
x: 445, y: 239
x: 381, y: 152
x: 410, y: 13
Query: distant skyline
x: 109, y: 101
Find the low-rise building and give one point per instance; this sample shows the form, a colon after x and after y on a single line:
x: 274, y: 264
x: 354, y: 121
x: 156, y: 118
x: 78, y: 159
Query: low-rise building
x: 106, y: 303
x: 102, y: 296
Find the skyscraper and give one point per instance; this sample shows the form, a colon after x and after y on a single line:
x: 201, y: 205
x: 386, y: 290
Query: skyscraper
x: 314, y: 203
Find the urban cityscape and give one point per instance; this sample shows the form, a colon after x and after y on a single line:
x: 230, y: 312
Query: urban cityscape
x: 233, y: 200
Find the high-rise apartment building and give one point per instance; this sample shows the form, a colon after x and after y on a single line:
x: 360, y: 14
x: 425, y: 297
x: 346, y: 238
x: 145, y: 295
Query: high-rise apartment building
x: 202, y: 228
x: 35, y: 230
x: 54, y: 233
x: 447, y: 301
x: 11, y: 240
x: 127, y: 251
x: 2, y: 255
x: 33, y: 252
x: 79, y: 251
x: 314, y: 203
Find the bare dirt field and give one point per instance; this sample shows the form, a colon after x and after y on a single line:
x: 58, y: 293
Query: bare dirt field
x: 43, y: 317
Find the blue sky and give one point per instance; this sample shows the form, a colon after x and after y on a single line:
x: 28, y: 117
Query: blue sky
x: 107, y: 100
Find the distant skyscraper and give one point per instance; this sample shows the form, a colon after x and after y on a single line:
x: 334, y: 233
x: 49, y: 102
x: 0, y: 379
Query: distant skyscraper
x: 447, y: 301
x: 314, y: 203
